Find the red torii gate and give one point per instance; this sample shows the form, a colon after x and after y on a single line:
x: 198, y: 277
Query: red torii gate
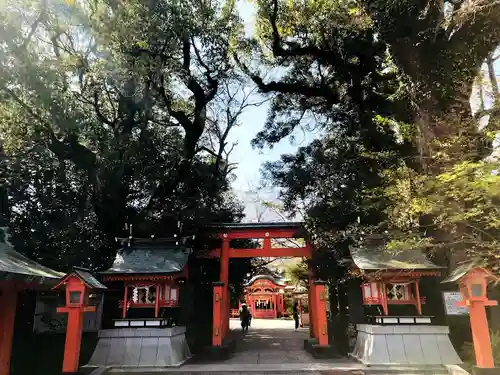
x: 267, y: 232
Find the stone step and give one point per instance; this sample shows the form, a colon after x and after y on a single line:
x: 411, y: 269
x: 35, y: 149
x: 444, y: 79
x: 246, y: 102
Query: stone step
x: 237, y: 372
x: 299, y: 369
x: 406, y: 370
x: 240, y: 369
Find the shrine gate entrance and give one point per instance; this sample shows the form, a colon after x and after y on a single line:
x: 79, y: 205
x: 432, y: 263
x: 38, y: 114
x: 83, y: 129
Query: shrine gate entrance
x: 266, y: 232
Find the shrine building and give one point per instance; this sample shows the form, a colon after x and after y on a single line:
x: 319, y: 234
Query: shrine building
x: 17, y: 273
x: 397, y: 328
x: 146, y: 327
x: 265, y: 296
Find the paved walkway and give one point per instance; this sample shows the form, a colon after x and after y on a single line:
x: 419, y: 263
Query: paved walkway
x: 269, y: 347
x: 270, y: 341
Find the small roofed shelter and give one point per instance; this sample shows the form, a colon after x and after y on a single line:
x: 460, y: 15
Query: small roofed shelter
x: 265, y: 296
x: 17, y: 272
x: 399, y: 333
x: 148, y: 332
x: 150, y: 272
x: 392, y: 277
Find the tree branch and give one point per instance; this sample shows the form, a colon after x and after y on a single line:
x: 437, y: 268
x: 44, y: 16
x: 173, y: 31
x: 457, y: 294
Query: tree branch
x: 321, y: 91
x: 67, y: 149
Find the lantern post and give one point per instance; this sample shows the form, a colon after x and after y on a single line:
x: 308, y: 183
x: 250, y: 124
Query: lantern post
x: 77, y: 286
x: 473, y: 281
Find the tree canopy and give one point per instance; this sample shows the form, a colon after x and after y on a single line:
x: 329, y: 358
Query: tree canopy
x: 116, y: 113
x: 389, y: 83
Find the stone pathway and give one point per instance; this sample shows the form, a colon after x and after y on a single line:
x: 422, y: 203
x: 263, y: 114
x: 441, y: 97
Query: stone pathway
x: 272, y: 347
x: 269, y: 347
x: 269, y: 342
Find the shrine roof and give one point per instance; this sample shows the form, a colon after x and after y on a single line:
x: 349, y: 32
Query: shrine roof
x: 150, y: 256
x: 15, y: 266
x: 461, y: 271
x: 88, y: 278
x: 379, y: 258
x: 276, y: 281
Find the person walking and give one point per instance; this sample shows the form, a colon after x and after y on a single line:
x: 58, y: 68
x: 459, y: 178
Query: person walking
x: 244, y: 318
x: 296, y: 315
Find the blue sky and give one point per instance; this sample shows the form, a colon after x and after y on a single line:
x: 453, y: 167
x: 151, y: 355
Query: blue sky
x: 250, y: 160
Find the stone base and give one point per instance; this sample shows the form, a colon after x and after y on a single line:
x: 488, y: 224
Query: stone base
x: 485, y: 371
x: 404, y: 344
x: 217, y: 353
x: 141, y: 347
x: 319, y: 351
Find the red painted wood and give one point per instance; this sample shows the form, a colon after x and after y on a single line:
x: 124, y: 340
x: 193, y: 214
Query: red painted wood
x: 320, y: 314
x: 224, y: 278
x: 157, y: 300
x: 417, y: 297
x: 271, y: 252
x: 175, y: 276
x: 302, y: 252
x: 149, y: 305
x: 218, y: 303
x: 124, y: 305
x: 73, y: 340
x: 258, y: 233
x: 312, y: 309
x: 8, y: 304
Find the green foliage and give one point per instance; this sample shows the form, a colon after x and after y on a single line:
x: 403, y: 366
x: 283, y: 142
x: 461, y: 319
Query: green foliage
x: 104, y: 109
x: 462, y: 202
x: 298, y: 274
x: 388, y: 84
x: 469, y: 356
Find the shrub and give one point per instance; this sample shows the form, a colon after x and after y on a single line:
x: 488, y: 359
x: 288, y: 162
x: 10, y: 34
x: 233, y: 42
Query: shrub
x: 468, y: 350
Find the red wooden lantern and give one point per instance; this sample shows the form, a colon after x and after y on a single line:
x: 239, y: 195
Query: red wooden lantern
x: 473, y: 285
x: 77, y: 286
x: 473, y: 281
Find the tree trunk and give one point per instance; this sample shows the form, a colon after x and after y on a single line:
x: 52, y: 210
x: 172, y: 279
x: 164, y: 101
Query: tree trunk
x: 341, y: 337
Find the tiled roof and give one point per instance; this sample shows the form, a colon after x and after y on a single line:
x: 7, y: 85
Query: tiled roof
x: 279, y: 282
x: 379, y: 258
x: 462, y: 269
x: 14, y: 265
x: 88, y: 278
x: 150, y: 256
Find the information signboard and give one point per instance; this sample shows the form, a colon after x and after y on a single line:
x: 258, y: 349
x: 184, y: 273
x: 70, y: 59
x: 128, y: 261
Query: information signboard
x: 450, y: 303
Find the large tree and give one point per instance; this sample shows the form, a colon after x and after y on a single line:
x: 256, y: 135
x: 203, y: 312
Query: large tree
x: 425, y: 56
x: 107, y: 109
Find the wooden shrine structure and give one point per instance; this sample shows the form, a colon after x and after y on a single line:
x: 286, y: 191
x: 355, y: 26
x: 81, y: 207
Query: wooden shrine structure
x: 394, y: 308
x: 147, y: 331
x: 265, y: 296
x: 267, y: 232
x: 393, y: 280
x: 151, y: 272
x: 17, y: 273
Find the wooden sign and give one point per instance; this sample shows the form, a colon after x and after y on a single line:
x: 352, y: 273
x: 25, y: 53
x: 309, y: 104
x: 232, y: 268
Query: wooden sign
x: 451, y: 299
